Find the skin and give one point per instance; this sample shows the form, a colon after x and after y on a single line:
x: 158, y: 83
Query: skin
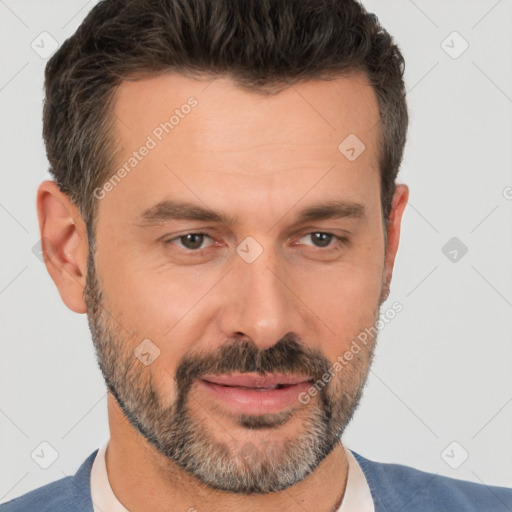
x: 234, y: 152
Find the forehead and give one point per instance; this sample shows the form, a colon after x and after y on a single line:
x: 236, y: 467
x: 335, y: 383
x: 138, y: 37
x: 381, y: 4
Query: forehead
x: 311, y: 112
x: 216, y: 135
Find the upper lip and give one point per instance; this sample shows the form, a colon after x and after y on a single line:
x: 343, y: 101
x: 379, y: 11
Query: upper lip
x: 254, y: 380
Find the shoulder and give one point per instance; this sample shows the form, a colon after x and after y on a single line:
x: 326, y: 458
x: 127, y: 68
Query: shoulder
x: 68, y: 493
x: 395, y: 485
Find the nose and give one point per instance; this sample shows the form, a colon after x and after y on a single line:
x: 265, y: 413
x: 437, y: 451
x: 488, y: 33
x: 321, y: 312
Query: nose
x: 261, y: 302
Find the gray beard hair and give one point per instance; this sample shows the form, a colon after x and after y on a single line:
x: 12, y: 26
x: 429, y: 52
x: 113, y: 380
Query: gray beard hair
x: 246, y: 468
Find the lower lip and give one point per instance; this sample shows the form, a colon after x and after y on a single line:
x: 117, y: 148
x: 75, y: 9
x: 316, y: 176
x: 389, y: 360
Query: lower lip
x: 249, y: 401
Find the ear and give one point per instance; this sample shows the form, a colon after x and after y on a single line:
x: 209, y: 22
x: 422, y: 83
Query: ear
x: 399, y: 202
x: 64, y: 243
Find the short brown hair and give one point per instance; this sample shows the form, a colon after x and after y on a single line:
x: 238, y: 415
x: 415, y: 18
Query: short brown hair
x: 259, y: 43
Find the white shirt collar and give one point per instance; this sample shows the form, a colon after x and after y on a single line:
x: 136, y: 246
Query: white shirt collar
x: 103, y: 497
x: 357, y: 496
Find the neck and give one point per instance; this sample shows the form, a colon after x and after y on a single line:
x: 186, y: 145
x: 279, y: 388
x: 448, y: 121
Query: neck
x: 143, y: 479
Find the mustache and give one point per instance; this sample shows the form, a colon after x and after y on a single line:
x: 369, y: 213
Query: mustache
x: 288, y: 355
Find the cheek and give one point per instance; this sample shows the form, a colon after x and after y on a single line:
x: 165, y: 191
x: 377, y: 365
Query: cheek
x: 345, y: 297
x: 157, y: 302
x: 152, y: 297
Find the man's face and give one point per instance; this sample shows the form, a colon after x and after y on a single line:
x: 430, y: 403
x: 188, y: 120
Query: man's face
x: 266, y: 294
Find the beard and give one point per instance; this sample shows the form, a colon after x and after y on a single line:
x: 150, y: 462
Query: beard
x: 186, y: 441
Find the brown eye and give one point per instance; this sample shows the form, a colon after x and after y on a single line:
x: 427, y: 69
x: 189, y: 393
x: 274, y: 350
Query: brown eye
x: 321, y: 239
x: 190, y: 241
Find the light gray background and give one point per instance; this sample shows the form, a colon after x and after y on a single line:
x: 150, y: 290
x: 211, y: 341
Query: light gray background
x: 443, y: 366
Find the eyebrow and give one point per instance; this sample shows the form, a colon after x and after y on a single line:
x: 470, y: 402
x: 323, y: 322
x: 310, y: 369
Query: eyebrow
x: 168, y: 210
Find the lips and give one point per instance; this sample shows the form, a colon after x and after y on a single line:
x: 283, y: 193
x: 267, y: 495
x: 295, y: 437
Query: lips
x: 250, y: 393
x: 256, y: 381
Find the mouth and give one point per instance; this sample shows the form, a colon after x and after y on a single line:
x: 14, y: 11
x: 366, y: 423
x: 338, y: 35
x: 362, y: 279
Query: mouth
x: 255, y: 394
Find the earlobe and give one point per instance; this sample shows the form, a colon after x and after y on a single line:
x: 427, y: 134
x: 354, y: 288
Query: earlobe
x: 399, y: 203
x: 64, y: 244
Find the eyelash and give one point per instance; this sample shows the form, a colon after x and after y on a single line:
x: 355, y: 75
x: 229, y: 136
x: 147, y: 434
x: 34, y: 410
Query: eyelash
x: 341, y: 241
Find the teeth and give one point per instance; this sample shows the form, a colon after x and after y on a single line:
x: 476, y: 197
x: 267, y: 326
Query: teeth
x: 254, y: 388
x: 258, y: 389
x: 277, y: 386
